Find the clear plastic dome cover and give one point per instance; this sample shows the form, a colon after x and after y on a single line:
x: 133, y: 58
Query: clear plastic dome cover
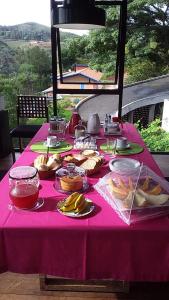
x: 135, y: 196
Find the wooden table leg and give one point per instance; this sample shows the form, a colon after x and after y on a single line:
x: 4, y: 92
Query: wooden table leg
x: 50, y: 283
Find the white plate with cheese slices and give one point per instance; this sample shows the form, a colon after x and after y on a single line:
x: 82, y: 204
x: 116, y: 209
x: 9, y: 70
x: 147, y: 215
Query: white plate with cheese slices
x: 72, y: 214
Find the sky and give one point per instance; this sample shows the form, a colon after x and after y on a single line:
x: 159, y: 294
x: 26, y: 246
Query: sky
x: 14, y: 12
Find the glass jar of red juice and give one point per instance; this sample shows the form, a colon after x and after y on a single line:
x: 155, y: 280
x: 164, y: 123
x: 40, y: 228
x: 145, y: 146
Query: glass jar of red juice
x: 24, y: 187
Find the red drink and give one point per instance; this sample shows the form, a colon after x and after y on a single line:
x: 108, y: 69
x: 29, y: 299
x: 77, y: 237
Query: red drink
x: 24, y: 195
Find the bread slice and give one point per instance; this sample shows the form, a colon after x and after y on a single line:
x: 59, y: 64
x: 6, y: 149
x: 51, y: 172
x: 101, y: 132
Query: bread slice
x: 80, y: 158
x: 98, y: 160
x: 70, y: 159
x: 89, y: 164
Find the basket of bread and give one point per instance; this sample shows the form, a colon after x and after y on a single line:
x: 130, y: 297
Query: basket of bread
x: 137, y: 195
x: 47, y: 166
x: 89, y: 160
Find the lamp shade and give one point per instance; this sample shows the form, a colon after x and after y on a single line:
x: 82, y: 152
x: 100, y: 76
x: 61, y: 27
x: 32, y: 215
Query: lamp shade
x: 78, y: 14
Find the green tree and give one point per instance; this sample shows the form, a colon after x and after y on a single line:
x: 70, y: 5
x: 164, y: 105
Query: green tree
x: 32, y: 77
x: 35, y: 66
x: 74, y: 51
x: 37, y: 57
x: 8, y: 63
x: 9, y: 89
x: 147, y: 45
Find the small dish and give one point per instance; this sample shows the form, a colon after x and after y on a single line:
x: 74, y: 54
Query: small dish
x: 53, y: 146
x: 72, y: 214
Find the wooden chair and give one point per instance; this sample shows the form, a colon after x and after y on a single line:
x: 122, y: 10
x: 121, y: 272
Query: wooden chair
x: 28, y: 107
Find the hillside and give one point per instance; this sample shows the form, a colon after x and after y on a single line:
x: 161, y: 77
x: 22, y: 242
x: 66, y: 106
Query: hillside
x: 29, y: 31
x: 26, y: 31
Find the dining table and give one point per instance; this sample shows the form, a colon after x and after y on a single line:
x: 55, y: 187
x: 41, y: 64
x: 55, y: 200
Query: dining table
x: 97, y: 246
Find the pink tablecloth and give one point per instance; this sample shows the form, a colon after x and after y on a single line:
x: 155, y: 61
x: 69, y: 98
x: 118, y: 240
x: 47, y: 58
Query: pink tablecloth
x: 99, y: 246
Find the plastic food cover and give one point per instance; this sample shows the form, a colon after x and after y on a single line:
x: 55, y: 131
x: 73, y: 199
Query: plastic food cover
x: 135, y: 194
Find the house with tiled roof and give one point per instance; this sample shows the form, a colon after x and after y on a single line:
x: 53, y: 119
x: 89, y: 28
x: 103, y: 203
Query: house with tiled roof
x: 80, y: 77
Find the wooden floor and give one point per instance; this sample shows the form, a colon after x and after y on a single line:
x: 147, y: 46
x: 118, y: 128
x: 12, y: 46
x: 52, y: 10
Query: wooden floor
x: 26, y: 287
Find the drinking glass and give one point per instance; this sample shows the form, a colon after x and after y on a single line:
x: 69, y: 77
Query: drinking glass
x: 24, y: 187
x: 61, y: 129
x: 108, y: 145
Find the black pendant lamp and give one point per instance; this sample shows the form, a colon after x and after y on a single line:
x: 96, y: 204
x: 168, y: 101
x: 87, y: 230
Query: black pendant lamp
x: 78, y: 14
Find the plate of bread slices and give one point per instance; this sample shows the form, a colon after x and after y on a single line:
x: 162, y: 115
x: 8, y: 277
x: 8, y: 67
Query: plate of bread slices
x: 91, y: 162
x: 47, y: 166
x: 75, y: 206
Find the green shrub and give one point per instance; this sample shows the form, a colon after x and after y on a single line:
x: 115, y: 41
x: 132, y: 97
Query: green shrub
x: 156, y: 138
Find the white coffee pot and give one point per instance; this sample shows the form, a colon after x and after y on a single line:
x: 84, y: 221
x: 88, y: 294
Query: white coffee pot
x: 93, y: 124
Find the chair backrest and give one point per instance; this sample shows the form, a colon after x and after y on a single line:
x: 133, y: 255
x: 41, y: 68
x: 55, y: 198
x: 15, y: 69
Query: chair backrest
x: 32, y: 107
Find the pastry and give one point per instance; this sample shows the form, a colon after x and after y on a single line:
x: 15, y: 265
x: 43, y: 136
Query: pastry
x: 71, y: 183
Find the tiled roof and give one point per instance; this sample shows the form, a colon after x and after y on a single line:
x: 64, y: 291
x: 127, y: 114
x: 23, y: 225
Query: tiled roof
x: 91, y: 73
x: 87, y: 72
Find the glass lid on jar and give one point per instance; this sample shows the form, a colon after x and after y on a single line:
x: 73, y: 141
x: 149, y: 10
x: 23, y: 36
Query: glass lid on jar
x: 23, y: 172
x: 70, y: 170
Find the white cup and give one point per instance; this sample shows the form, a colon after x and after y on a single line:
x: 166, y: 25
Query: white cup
x: 121, y: 142
x: 51, y: 141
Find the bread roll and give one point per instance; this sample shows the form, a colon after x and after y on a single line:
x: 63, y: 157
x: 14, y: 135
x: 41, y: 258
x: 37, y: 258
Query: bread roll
x: 43, y: 168
x: 40, y: 160
x: 57, y: 157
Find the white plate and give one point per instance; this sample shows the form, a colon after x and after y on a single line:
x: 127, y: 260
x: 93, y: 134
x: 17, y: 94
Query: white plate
x: 72, y: 214
x: 124, y: 165
x: 53, y: 146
